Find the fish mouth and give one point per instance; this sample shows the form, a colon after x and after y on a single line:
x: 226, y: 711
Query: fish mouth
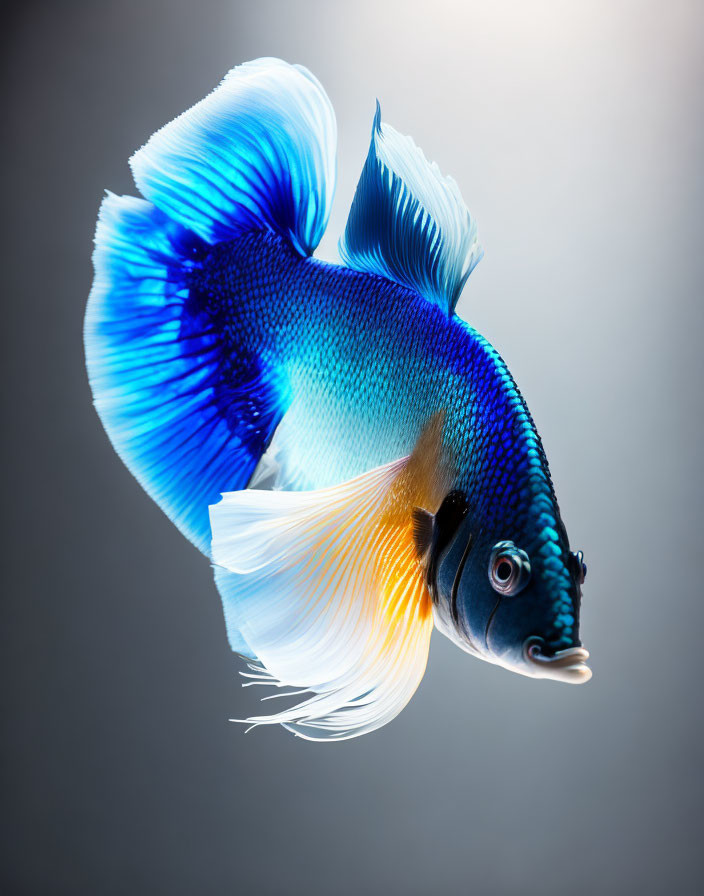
x: 567, y: 665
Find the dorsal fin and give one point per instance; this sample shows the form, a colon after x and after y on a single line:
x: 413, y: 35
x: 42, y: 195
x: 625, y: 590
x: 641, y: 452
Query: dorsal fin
x: 408, y: 222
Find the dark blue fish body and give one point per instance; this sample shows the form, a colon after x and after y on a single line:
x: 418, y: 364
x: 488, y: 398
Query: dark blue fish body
x: 364, y: 408
x: 367, y: 441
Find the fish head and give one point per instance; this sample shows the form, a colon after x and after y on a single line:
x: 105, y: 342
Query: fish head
x: 508, y: 591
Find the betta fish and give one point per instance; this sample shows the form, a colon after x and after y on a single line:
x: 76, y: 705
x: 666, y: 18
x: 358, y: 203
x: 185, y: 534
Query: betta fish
x: 355, y: 460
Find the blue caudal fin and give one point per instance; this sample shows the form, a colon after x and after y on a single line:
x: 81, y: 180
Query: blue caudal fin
x: 155, y: 367
x: 408, y: 222
x: 259, y: 151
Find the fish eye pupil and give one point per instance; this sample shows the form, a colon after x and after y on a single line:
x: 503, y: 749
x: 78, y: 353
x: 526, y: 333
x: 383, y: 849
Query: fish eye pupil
x: 503, y: 570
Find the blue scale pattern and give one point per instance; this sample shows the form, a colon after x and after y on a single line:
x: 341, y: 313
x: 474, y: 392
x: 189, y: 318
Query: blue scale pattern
x: 366, y: 362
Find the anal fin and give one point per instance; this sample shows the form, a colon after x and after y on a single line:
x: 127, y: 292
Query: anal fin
x: 329, y: 594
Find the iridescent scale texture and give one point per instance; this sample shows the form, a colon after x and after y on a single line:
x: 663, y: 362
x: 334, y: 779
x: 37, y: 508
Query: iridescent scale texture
x: 360, y: 364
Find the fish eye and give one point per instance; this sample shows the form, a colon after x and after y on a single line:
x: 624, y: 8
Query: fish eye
x: 509, y: 568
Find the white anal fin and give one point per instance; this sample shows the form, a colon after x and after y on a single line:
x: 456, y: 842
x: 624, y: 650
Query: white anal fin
x: 331, y: 597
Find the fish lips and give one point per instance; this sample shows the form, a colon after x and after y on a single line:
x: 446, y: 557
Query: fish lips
x: 531, y: 656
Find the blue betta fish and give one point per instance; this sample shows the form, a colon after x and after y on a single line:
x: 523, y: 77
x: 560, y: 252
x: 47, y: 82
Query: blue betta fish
x: 355, y: 460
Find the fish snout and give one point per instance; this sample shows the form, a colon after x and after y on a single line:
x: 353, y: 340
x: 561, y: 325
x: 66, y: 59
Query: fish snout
x: 568, y: 665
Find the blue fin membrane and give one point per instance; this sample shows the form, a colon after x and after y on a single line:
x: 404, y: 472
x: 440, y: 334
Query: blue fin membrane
x: 259, y: 151
x: 230, y: 587
x: 408, y: 222
x: 187, y: 430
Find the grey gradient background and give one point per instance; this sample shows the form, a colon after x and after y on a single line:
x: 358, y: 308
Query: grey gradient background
x: 575, y: 133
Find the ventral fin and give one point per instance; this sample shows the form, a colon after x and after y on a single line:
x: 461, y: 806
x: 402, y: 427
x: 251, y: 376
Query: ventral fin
x: 408, y: 222
x: 326, y: 589
x: 276, y: 470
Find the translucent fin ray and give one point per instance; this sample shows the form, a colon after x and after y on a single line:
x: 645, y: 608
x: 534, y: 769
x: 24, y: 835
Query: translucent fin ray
x: 408, y: 222
x: 258, y: 152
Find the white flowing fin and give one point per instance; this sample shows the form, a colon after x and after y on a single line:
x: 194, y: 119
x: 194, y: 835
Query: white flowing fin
x: 331, y: 596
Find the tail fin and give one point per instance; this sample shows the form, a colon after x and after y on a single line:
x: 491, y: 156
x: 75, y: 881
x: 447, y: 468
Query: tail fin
x: 257, y: 153
x: 155, y: 368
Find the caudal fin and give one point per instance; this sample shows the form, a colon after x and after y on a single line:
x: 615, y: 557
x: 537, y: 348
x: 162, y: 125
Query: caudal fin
x: 259, y: 151
x: 155, y: 367
x: 190, y: 420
